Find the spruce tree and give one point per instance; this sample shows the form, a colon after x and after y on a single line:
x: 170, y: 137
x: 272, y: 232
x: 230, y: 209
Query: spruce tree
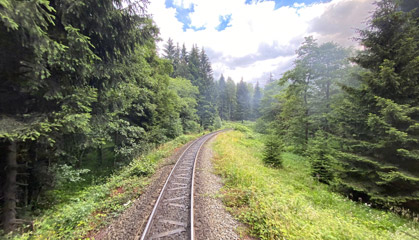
x: 222, y: 98
x: 257, y: 97
x: 243, y: 102
x: 230, y: 92
x: 380, y: 148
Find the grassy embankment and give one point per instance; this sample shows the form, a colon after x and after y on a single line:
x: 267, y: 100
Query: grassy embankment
x: 80, y: 209
x: 288, y: 203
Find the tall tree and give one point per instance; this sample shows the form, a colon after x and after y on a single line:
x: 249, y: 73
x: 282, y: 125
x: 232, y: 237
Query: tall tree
x: 181, y: 69
x: 61, y: 65
x: 230, y: 92
x: 222, y: 98
x: 294, y: 117
x: 257, y: 97
x: 207, y: 108
x: 171, y: 52
x: 379, y: 151
x: 243, y: 101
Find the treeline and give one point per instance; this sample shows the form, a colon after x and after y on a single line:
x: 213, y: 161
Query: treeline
x: 217, y: 100
x: 355, y: 115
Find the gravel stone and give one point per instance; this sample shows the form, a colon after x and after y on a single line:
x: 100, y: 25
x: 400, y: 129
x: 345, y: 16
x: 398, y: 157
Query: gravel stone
x: 212, y: 221
x: 130, y: 224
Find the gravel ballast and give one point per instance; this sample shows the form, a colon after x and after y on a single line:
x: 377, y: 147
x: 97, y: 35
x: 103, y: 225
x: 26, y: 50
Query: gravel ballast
x: 212, y: 221
x: 130, y: 224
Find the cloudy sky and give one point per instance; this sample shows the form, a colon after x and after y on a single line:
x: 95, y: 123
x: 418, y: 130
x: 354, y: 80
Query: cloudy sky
x: 253, y: 38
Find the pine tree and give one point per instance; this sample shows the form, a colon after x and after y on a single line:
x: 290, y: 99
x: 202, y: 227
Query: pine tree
x: 230, y: 92
x: 207, y: 108
x: 222, y: 98
x: 380, y: 149
x: 170, y: 52
x: 296, y: 101
x: 182, y: 69
x: 243, y: 101
x: 257, y: 97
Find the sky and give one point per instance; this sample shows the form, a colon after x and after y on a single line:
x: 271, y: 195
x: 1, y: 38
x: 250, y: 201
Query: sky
x: 251, y: 39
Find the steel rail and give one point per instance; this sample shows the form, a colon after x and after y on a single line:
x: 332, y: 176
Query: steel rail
x: 192, y: 234
x: 162, y: 192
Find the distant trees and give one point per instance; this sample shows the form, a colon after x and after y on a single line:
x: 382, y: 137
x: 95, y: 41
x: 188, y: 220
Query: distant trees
x: 243, y: 101
x: 222, y: 98
x: 216, y: 99
x: 256, y: 99
x: 196, y: 67
x: 311, y: 84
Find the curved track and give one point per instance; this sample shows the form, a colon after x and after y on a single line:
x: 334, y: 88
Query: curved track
x: 172, y: 216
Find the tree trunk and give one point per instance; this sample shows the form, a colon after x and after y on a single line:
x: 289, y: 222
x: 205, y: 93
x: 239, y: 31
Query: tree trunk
x: 100, y: 154
x: 10, y: 189
x: 327, y: 105
x: 306, y: 105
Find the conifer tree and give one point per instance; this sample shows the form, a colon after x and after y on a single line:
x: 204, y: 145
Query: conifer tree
x: 243, y: 101
x: 380, y: 148
x: 230, y: 92
x: 222, y: 98
x: 257, y: 97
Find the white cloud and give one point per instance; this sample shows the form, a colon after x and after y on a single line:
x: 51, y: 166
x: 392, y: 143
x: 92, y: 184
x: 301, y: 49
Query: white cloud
x: 255, y: 27
x: 183, y: 3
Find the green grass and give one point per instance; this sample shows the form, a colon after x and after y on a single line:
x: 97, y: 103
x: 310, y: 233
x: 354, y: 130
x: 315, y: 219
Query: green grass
x: 288, y: 203
x: 87, y: 209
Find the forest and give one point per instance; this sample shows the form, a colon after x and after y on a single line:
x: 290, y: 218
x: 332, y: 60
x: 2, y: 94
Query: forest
x: 84, y: 92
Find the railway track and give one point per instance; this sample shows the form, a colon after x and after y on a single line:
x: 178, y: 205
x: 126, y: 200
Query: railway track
x: 172, y: 216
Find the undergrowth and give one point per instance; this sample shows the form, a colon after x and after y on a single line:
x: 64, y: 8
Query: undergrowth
x: 287, y: 203
x: 94, y: 206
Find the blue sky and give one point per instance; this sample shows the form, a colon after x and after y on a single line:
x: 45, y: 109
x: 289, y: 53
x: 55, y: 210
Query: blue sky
x: 183, y: 12
x: 252, y: 38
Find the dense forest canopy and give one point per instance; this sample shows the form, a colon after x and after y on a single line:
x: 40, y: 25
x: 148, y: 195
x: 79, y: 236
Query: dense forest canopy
x: 84, y: 78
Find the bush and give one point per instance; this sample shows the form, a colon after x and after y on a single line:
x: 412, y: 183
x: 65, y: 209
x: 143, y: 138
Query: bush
x: 261, y: 126
x: 141, y: 168
x: 191, y: 126
x: 272, y: 152
x: 217, y: 123
x: 321, y: 158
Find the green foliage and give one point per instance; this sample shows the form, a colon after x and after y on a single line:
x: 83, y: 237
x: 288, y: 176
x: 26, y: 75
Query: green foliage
x: 65, y: 173
x: 311, y: 86
x: 80, y: 75
x: 256, y: 99
x: 218, y: 123
x: 323, y: 163
x: 95, y: 205
x: 379, y: 148
x: 243, y: 108
x: 195, y: 68
x: 186, y: 94
x: 272, y: 152
x: 288, y: 203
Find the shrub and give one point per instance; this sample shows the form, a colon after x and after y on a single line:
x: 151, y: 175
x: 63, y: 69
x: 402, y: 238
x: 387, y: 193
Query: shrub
x: 272, y: 152
x: 321, y: 158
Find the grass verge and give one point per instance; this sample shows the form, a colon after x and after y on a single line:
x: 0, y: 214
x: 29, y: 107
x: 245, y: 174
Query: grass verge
x: 288, y: 203
x: 94, y: 206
